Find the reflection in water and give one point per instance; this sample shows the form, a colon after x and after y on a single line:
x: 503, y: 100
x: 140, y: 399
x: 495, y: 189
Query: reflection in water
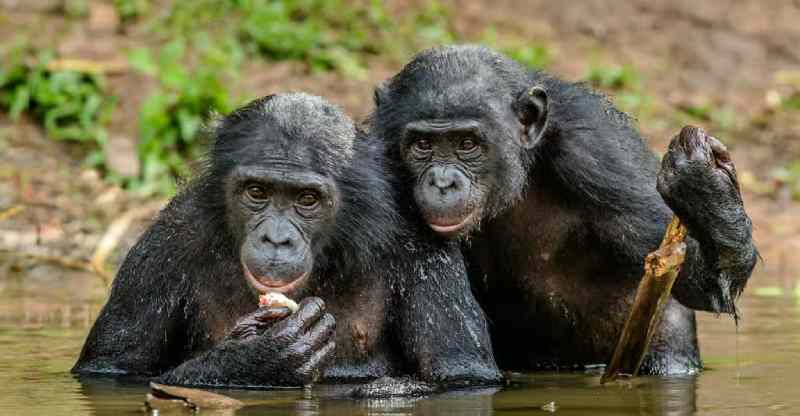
x: 41, y: 335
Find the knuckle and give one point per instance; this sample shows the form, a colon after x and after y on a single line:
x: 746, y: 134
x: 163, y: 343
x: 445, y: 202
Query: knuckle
x: 318, y: 303
x: 329, y: 321
x: 313, y: 306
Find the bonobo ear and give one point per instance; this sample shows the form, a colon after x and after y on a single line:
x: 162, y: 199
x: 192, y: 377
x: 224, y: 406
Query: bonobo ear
x: 381, y: 91
x: 531, y: 108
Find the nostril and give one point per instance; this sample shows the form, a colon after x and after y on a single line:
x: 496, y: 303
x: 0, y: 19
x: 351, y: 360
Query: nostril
x: 444, y: 183
x: 276, y: 241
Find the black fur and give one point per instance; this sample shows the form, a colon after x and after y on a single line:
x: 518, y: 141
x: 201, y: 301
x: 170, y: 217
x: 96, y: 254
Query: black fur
x: 568, y: 209
x: 181, y: 309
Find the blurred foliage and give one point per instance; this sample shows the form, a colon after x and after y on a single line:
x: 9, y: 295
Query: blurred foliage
x: 722, y: 118
x: 324, y: 34
x: 624, y: 83
x: 195, y: 65
x: 72, y: 106
x: 530, y: 54
x: 173, y: 113
x: 129, y: 10
x: 789, y: 177
x: 76, y: 8
x: 205, y: 43
x: 613, y: 77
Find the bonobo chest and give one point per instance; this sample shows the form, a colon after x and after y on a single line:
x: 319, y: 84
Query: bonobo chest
x: 535, y: 273
x: 530, y: 249
x: 363, y: 347
x: 362, y: 311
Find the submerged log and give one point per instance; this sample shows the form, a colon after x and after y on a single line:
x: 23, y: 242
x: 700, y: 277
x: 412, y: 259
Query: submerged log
x: 661, y: 268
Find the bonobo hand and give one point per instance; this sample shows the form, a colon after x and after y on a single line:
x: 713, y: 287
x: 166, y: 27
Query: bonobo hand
x: 697, y: 177
x: 262, y: 352
x: 257, y: 322
x: 298, y: 347
x: 698, y: 182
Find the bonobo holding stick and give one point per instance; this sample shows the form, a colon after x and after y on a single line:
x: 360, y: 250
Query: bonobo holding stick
x: 292, y: 201
x: 663, y: 265
x: 553, y: 193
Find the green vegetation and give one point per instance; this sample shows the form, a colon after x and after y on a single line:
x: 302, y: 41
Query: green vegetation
x: 129, y: 10
x: 530, y: 54
x: 72, y: 106
x: 324, y: 34
x: 624, y: 84
x: 722, y: 118
x: 195, y: 68
x: 175, y: 110
x: 214, y: 37
x: 613, y: 77
x: 789, y: 176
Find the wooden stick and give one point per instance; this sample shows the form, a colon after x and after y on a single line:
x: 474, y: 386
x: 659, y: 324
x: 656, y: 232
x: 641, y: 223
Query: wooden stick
x: 661, y: 268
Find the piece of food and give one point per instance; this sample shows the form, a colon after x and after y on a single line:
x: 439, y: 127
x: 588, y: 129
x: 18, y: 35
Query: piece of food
x: 276, y: 300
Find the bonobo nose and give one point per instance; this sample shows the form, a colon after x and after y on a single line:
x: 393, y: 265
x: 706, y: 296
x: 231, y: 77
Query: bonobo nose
x: 278, y: 234
x: 444, y: 179
x: 276, y: 239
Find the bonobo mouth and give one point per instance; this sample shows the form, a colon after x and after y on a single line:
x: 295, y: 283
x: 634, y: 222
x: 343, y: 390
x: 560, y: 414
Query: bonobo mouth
x: 263, y: 284
x: 452, y: 229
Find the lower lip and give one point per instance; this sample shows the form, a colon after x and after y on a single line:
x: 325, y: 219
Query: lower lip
x: 450, y: 229
x: 263, y: 288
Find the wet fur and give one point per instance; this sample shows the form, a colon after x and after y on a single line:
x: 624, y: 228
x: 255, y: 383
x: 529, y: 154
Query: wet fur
x: 181, y: 289
x: 560, y: 249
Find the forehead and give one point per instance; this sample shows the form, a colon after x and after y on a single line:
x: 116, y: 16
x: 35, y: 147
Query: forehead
x: 470, y: 95
x: 272, y: 151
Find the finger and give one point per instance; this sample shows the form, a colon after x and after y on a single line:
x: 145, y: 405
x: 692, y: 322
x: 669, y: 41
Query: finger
x: 318, y: 335
x: 271, y: 314
x: 309, y: 312
x: 692, y: 141
x: 322, y: 331
x: 320, y: 359
x: 720, y: 151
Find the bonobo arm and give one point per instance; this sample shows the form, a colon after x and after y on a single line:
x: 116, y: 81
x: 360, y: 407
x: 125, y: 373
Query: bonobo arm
x: 698, y: 182
x: 610, y: 174
x: 141, y: 328
x: 443, y: 331
x: 260, y: 353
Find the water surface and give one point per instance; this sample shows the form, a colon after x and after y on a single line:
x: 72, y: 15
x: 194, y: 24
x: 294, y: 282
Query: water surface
x: 43, y: 322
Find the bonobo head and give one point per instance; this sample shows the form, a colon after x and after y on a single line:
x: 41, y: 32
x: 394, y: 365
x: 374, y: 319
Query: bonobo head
x: 462, y: 120
x: 278, y: 162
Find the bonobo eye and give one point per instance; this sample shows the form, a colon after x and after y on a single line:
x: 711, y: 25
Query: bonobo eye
x: 422, y: 145
x: 256, y: 193
x: 467, y: 145
x: 308, y: 199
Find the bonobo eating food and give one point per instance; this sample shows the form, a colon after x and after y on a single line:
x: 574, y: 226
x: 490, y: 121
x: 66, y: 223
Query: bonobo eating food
x: 277, y: 300
x: 293, y: 204
x: 557, y: 200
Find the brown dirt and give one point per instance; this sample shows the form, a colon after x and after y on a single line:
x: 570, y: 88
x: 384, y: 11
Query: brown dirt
x: 725, y: 53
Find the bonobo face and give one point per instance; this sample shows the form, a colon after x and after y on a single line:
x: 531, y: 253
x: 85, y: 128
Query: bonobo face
x: 280, y: 161
x: 471, y: 164
x: 463, y: 120
x: 447, y: 157
x: 280, y: 210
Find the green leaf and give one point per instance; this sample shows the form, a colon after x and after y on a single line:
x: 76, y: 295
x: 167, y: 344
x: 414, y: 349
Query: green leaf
x: 141, y: 60
x: 19, y: 102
